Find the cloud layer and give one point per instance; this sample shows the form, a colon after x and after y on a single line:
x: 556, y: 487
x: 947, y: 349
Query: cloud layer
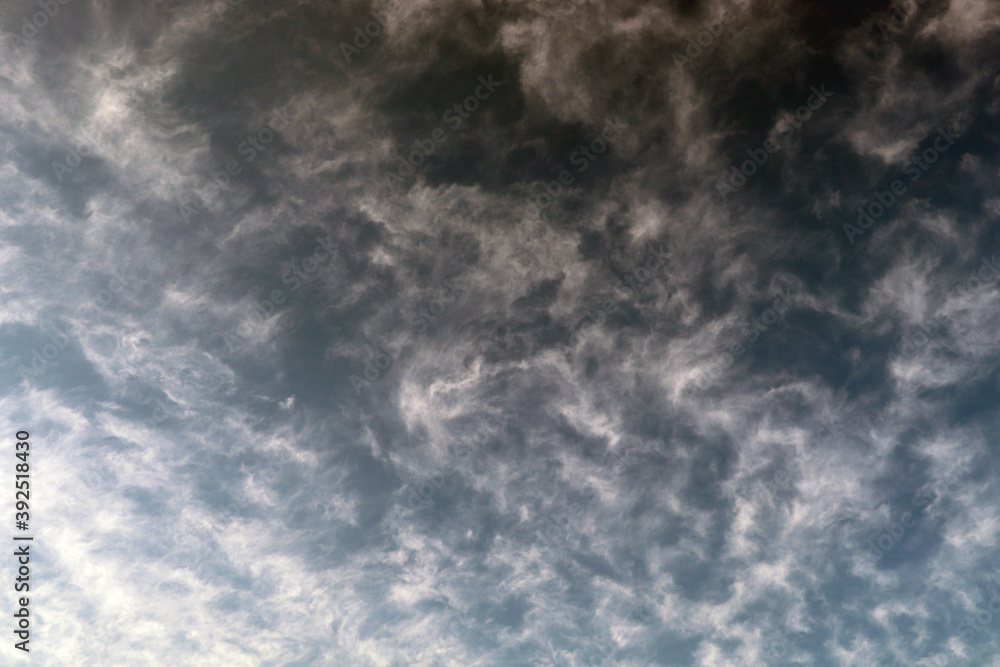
x: 427, y: 333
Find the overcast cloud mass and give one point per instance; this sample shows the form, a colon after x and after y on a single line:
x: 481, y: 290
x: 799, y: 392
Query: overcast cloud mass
x: 504, y: 332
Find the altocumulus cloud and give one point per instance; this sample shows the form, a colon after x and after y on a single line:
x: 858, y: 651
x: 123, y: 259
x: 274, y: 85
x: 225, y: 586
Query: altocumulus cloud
x: 698, y: 480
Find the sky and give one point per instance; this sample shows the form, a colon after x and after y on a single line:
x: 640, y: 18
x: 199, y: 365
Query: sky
x: 504, y: 332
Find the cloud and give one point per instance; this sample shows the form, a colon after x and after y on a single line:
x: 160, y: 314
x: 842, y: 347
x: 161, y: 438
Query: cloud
x: 585, y: 495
